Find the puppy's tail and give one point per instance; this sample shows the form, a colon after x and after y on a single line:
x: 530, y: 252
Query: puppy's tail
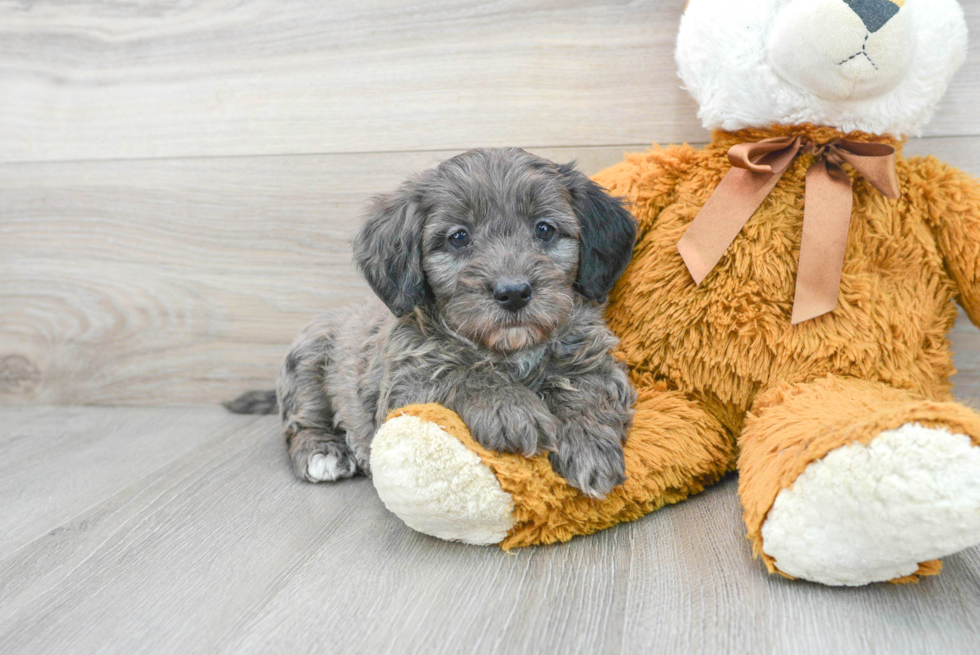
x: 253, y: 402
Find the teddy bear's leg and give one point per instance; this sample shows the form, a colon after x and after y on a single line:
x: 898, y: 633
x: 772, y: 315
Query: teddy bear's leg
x: 430, y: 472
x: 847, y: 482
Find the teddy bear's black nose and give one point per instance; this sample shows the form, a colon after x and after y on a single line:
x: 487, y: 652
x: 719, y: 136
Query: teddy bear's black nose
x: 512, y: 294
x: 874, y: 13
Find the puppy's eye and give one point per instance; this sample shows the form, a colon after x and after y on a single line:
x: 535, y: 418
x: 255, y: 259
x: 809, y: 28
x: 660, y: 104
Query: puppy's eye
x: 544, y: 232
x: 459, y: 239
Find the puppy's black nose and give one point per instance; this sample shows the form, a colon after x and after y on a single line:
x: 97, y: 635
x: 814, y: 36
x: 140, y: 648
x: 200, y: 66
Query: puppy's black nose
x: 511, y: 293
x: 873, y: 13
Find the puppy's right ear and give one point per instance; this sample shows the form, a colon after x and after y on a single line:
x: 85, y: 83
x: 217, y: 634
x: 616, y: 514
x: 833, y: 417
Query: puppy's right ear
x: 607, y: 233
x: 388, y: 249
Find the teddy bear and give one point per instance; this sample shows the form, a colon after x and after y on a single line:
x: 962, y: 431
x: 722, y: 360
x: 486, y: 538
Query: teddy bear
x: 785, y: 314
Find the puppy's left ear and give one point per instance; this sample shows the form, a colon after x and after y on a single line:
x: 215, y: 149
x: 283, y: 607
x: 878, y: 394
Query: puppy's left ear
x: 388, y: 249
x: 607, y: 232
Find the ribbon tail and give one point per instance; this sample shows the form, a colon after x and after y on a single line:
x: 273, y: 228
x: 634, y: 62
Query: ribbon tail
x: 826, y: 219
x: 721, y: 219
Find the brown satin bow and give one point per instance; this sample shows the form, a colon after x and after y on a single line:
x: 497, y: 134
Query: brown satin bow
x: 756, y: 168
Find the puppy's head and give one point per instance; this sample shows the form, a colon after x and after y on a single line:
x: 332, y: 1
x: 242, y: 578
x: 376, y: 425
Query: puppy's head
x: 495, y: 244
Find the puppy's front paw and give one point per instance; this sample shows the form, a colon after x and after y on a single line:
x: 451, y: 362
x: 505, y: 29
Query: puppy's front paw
x: 325, y: 463
x: 327, y: 467
x: 592, y: 465
x: 511, y: 424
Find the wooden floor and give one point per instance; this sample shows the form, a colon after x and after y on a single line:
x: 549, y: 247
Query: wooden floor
x: 156, y: 530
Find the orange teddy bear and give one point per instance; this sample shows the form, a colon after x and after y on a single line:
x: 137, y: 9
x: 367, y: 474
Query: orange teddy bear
x: 785, y: 313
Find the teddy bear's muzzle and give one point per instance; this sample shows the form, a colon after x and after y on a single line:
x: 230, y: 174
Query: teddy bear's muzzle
x: 843, y: 49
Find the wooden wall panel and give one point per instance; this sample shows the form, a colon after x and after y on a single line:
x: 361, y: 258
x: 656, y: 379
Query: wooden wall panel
x: 99, y: 79
x: 150, y: 282
x: 109, y: 80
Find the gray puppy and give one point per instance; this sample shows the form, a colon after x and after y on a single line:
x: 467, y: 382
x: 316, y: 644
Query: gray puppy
x: 492, y: 268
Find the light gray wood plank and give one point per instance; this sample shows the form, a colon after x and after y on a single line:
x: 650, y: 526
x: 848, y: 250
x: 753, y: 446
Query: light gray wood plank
x: 159, y: 282
x: 961, y: 152
x: 98, y: 80
x: 168, y: 563
x: 55, y: 463
x: 103, y: 80
x: 436, y: 597
x: 221, y: 550
x: 702, y: 593
x: 957, y: 114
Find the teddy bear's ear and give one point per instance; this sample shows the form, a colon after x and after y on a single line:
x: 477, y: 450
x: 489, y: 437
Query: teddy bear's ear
x: 607, y: 232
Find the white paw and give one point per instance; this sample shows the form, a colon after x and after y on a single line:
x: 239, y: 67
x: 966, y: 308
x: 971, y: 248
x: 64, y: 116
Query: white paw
x: 436, y: 485
x: 328, y: 467
x: 873, y: 513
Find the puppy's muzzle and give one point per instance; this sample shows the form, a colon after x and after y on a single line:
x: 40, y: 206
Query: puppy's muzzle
x: 512, y: 293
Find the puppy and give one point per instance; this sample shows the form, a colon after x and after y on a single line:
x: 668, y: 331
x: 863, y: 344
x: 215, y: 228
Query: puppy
x: 492, y: 269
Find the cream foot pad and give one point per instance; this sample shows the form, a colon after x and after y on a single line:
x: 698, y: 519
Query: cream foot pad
x: 437, y: 486
x: 870, y: 513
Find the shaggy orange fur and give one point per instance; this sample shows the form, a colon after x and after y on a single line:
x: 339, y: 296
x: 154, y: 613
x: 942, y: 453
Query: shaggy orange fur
x: 720, y: 364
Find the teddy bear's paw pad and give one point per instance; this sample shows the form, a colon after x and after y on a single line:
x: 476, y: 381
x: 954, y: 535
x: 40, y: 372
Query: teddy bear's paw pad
x: 870, y: 513
x: 436, y: 485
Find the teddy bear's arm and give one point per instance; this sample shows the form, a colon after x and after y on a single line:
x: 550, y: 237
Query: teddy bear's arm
x: 950, y: 200
x: 649, y: 180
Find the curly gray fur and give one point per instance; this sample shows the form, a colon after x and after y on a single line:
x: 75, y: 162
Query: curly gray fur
x: 540, y: 377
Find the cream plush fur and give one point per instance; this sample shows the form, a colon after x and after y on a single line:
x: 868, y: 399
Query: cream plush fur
x: 754, y: 63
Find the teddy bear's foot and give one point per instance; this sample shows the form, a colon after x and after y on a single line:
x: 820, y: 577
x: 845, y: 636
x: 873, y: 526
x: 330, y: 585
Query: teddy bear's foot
x: 870, y: 513
x: 436, y: 485
x: 432, y: 474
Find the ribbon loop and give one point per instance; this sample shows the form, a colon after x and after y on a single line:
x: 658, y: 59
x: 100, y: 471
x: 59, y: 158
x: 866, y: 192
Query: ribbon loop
x: 875, y: 162
x: 771, y: 156
x: 756, y: 169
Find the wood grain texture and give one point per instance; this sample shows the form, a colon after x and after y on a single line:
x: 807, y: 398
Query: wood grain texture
x: 109, y: 80
x: 67, y: 464
x: 184, y: 281
x: 177, y: 281
x: 219, y: 550
x: 98, y: 80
